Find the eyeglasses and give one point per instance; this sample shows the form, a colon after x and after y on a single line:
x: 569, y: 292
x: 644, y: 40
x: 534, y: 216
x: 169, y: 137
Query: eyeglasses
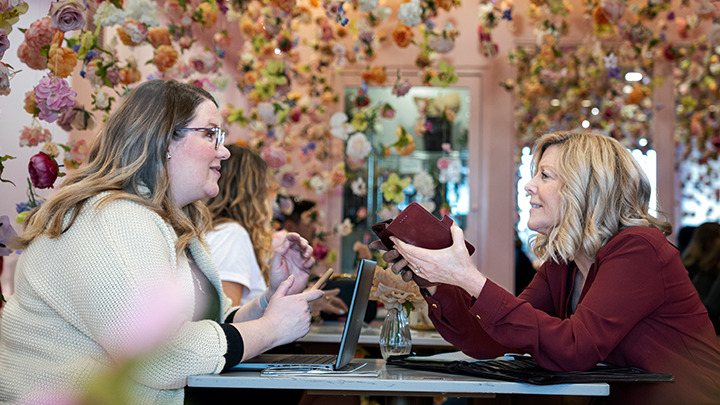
x: 217, y: 135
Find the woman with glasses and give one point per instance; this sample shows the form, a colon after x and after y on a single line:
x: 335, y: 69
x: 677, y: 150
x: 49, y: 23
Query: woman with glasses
x: 115, y: 265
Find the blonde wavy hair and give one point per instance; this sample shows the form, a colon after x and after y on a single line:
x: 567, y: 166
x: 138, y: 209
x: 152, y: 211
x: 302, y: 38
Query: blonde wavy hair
x: 603, y: 190
x: 244, y: 198
x: 128, y: 160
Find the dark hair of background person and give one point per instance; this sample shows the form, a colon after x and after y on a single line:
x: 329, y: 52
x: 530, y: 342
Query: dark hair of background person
x: 128, y: 158
x: 299, y: 206
x: 702, y: 253
x: 244, y: 198
x: 683, y: 238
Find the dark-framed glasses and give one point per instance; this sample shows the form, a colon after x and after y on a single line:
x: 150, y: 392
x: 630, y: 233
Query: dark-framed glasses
x: 217, y: 135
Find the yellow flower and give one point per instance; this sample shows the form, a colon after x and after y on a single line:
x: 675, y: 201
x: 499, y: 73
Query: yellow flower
x: 247, y: 26
x: 359, y: 121
x: 209, y: 14
x: 393, y: 188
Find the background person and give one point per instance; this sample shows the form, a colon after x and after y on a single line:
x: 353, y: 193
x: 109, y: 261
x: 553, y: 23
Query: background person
x: 611, y: 289
x: 125, y: 225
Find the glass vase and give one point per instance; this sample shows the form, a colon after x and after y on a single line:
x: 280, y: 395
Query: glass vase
x: 395, y: 339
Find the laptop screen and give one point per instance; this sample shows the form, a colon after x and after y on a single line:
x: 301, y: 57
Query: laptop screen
x: 356, y: 312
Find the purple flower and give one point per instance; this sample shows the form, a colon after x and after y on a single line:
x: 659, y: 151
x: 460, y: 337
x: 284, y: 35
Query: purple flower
x: 66, y: 118
x: 53, y: 96
x: 67, y: 15
x: 27, y: 206
x: 6, y: 232
x: 287, y: 180
x: 366, y: 36
x: 4, y: 42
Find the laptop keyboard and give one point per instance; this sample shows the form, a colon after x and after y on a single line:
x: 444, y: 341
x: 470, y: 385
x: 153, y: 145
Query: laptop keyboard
x: 310, y: 359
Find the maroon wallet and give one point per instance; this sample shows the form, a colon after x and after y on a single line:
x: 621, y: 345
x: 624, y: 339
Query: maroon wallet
x: 418, y: 227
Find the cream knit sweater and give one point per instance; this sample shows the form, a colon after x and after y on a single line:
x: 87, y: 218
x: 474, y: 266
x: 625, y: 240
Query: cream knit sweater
x: 61, y: 328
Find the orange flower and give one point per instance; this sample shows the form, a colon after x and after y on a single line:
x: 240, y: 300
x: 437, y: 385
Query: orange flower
x: 165, y: 57
x: 267, y: 50
x: 636, y: 95
x: 315, y: 3
x: 247, y: 26
x: 30, y: 102
x: 337, y: 175
x: 241, y: 142
x: 327, y: 97
x: 341, y: 31
x: 376, y: 75
x: 129, y: 76
x: 599, y: 16
x: 250, y: 77
x: 61, y: 61
x: 444, y: 4
x: 284, y: 5
x: 132, y: 33
x: 547, y: 54
x: 253, y: 97
x: 209, y: 15
x: 159, y: 36
x: 403, y: 35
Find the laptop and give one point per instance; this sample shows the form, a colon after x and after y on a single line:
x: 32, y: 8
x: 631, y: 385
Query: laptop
x: 348, y: 343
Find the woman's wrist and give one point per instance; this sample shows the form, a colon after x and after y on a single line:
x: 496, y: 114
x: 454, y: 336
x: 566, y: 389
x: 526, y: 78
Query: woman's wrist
x: 264, y: 300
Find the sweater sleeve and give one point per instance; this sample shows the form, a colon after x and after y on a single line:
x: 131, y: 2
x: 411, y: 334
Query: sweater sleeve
x: 128, y: 295
x: 627, y: 287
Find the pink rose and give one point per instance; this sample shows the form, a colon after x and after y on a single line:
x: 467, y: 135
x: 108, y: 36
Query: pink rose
x: 67, y: 15
x: 4, y: 42
x: 65, y: 119
x: 34, y: 136
x: 43, y: 170
x: 40, y: 33
x: 204, y: 62
x: 287, y: 180
x: 443, y: 164
x: 31, y: 57
x: 274, y: 156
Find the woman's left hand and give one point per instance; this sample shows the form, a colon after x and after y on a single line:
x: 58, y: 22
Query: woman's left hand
x: 451, y: 265
x: 293, y: 257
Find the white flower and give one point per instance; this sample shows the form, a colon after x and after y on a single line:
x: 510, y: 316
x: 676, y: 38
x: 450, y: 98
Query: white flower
x: 318, y: 184
x: 339, y: 126
x: 610, y: 61
x: 410, y: 13
x: 424, y: 184
x: 304, y: 102
x: 452, y: 173
x: 389, y: 212
x: 428, y: 205
x: 344, y: 228
x: 144, y: 11
x: 359, y: 187
x: 382, y: 13
x: 267, y: 112
x: 483, y: 11
x: 367, y: 6
x: 4, y: 80
x: 134, y: 33
x: 92, y: 76
x: 101, y: 98
x: 440, y: 44
x: 339, y: 50
x: 108, y: 15
x: 358, y: 146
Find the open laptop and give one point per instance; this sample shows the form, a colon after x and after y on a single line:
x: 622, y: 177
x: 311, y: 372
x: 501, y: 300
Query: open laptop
x: 350, y: 336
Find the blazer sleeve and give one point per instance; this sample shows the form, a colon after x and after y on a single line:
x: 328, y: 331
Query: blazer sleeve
x: 627, y: 288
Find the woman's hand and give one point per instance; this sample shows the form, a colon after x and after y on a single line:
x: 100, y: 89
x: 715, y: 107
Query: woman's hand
x: 451, y: 265
x: 293, y: 257
x: 330, y: 303
x: 289, y: 314
x: 400, y: 265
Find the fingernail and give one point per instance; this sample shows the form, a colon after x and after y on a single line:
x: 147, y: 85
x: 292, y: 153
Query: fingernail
x: 341, y: 312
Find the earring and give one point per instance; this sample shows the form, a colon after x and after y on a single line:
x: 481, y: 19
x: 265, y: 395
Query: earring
x: 527, y: 194
x: 168, y: 156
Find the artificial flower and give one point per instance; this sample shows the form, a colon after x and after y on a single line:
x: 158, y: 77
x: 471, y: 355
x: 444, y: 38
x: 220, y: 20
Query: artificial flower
x: 209, y: 14
x: 395, y: 293
x: 339, y: 127
x: 132, y: 33
x: 43, y: 170
x: 318, y: 183
x: 165, y: 57
x: 410, y: 13
x: 451, y: 172
x: 275, y: 157
x: 405, y: 144
x: 67, y: 15
x: 367, y: 6
x: 441, y: 45
x: 108, y: 15
x: 29, y: 102
x: 359, y: 187
x: 6, y: 233
x: 204, y: 62
x: 337, y: 175
x: 40, y: 33
x: 358, y: 146
x: 393, y: 188
x: 424, y: 184
x: 144, y: 11
x: 403, y: 35
x: 320, y: 251
x: 51, y: 148
x: 5, y: 76
x: 61, y: 61
x: 66, y: 118
x: 159, y: 36
x: 53, y: 96
x: 33, y: 136
x: 129, y: 76
x: 75, y: 154
x: 375, y: 75
x: 4, y: 42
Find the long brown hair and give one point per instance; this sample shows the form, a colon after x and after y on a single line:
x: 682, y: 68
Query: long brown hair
x: 704, y: 248
x: 128, y: 160
x: 243, y: 198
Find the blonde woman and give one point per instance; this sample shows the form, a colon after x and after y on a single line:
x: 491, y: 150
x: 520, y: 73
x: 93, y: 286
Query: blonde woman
x: 127, y: 223
x: 240, y: 241
x: 612, y: 288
